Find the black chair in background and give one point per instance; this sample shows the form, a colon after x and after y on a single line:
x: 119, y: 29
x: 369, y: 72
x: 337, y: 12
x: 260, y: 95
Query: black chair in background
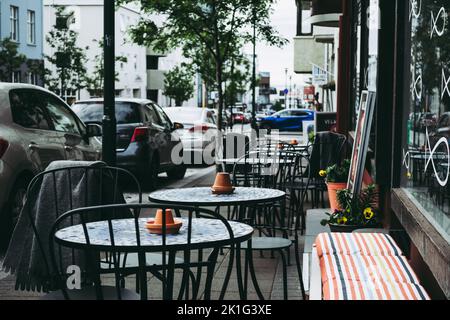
x: 326, y: 151
x: 279, y: 225
x: 131, y: 239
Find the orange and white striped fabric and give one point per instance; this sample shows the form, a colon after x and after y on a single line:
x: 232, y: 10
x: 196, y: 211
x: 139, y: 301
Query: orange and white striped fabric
x: 372, y: 244
x: 365, y: 266
x: 371, y: 290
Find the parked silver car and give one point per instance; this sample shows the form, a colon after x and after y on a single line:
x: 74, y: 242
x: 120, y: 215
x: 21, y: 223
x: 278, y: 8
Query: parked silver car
x: 36, y: 128
x: 198, y: 134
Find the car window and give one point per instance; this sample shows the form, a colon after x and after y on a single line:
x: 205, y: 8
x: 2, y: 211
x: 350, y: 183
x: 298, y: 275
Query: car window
x: 150, y: 115
x: 210, y: 118
x: 297, y: 113
x: 93, y: 112
x: 60, y: 115
x: 164, y: 120
x: 27, y: 110
x: 443, y: 121
x: 286, y: 113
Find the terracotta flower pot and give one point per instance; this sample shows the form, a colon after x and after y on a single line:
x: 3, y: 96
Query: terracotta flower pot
x: 333, y: 188
x: 159, y: 217
x: 222, y: 184
x: 294, y: 142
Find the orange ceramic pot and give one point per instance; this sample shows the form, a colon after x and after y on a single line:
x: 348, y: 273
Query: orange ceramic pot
x: 333, y: 188
x: 159, y: 217
x: 223, y: 180
x: 222, y: 184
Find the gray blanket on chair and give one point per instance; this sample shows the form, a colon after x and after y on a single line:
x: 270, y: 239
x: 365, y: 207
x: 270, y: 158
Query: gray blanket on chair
x: 55, y: 195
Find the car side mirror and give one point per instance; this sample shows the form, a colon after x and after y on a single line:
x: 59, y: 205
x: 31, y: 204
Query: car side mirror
x: 177, y: 125
x: 93, y: 130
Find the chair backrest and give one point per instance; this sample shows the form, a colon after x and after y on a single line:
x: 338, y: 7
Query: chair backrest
x: 202, y: 229
x: 285, y: 220
x: 54, y: 192
x: 326, y: 151
x: 235, y: 145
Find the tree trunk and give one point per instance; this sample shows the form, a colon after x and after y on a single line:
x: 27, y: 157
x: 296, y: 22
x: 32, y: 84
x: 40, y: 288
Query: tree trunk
x: 219, y: 78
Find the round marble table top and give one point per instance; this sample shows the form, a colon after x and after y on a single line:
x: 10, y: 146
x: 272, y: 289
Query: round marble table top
x: 204, y: 233
x: 266, y: 160
x: 204, y: 197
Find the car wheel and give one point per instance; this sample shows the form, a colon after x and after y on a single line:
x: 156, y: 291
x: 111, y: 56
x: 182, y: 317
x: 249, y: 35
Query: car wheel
x: 177, y: 173
x: 13, y: 209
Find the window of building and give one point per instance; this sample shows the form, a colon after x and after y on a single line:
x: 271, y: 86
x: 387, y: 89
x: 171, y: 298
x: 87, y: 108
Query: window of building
x: 425, y: 173
x: 31, y: 27
x: 33, y: 78
x: 152, y: 62
x: 16, y: 77
x: 14, y: 23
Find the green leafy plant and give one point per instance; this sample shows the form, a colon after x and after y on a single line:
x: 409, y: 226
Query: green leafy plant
x: 336, y: 173
x: 357, y: 211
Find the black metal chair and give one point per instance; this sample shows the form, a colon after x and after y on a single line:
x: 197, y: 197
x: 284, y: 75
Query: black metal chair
x: 50, y: 194
x: 277, y: 225
x: 130, y: 237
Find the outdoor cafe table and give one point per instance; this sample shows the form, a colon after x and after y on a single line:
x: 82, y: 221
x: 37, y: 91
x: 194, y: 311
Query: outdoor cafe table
x: 206, y: 233
x: 256, y: 161
x: 242, y: 197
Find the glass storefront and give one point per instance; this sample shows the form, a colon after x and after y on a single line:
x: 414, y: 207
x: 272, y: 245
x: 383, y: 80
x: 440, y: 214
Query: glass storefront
x: 426, y: 151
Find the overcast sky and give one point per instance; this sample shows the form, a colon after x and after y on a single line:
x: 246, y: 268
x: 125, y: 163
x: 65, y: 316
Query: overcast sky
x: 273, y: 59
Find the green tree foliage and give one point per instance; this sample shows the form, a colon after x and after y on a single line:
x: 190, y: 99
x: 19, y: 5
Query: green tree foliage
x: 214, y: 27
x: 178, y: 84
x: 95, y: 81
x: 63, y: 42
x: 10, y: 59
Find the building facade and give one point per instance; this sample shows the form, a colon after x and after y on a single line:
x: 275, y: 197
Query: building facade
x: 21, y: 21
x: 88, y: 23
x: 397, y: 51
x: 316, y: 53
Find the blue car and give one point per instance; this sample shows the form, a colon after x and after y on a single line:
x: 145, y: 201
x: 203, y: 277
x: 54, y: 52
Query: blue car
x: 287, y: 120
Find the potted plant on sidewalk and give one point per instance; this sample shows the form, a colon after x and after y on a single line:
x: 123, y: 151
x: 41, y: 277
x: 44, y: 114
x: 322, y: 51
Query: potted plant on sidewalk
x: 357, y: 211
x: 336, y: 177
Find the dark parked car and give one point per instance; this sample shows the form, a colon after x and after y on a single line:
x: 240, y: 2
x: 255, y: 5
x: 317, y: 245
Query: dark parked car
x: 146, y: 143
x: 36, y: 128
x: 287, y: 120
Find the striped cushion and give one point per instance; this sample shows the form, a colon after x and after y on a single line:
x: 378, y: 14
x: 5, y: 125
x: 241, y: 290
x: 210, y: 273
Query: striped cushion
x: 372, y: 244
x: 365, y: 266
x: 357, y: 267
x: 372, y: 290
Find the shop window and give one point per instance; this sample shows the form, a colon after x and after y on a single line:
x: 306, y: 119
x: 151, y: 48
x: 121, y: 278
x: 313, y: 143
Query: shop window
x: 426, y: 152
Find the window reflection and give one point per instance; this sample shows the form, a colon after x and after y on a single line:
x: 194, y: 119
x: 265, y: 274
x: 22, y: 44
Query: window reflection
x: 426, y: 160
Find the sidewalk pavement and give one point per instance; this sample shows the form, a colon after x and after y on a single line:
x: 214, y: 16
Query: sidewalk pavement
x: 268, y: 270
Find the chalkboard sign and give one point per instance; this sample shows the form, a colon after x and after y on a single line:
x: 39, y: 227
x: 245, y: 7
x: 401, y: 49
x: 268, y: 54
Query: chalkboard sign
x: 325, y: 121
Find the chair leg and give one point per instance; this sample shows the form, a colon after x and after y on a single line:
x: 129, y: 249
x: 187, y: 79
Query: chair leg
x: 283, y: 259
x: 228, y: 273
x: 299, y: 270
x: 253, y: 275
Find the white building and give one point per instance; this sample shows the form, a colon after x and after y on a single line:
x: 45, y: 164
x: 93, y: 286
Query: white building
x: 132, y: 75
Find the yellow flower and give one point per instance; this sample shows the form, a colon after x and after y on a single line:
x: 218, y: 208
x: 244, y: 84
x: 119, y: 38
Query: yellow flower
x: 409, y: 175
x: 368, y: 213
x: 322, y: 173
x: 342, y: 220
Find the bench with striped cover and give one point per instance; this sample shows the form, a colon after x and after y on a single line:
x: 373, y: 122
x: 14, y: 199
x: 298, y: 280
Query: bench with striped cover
x: 365, y: 266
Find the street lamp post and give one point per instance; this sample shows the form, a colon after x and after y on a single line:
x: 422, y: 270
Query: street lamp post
x: 109, y: 114
x: 254, y: 127
x: 285, y: 87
